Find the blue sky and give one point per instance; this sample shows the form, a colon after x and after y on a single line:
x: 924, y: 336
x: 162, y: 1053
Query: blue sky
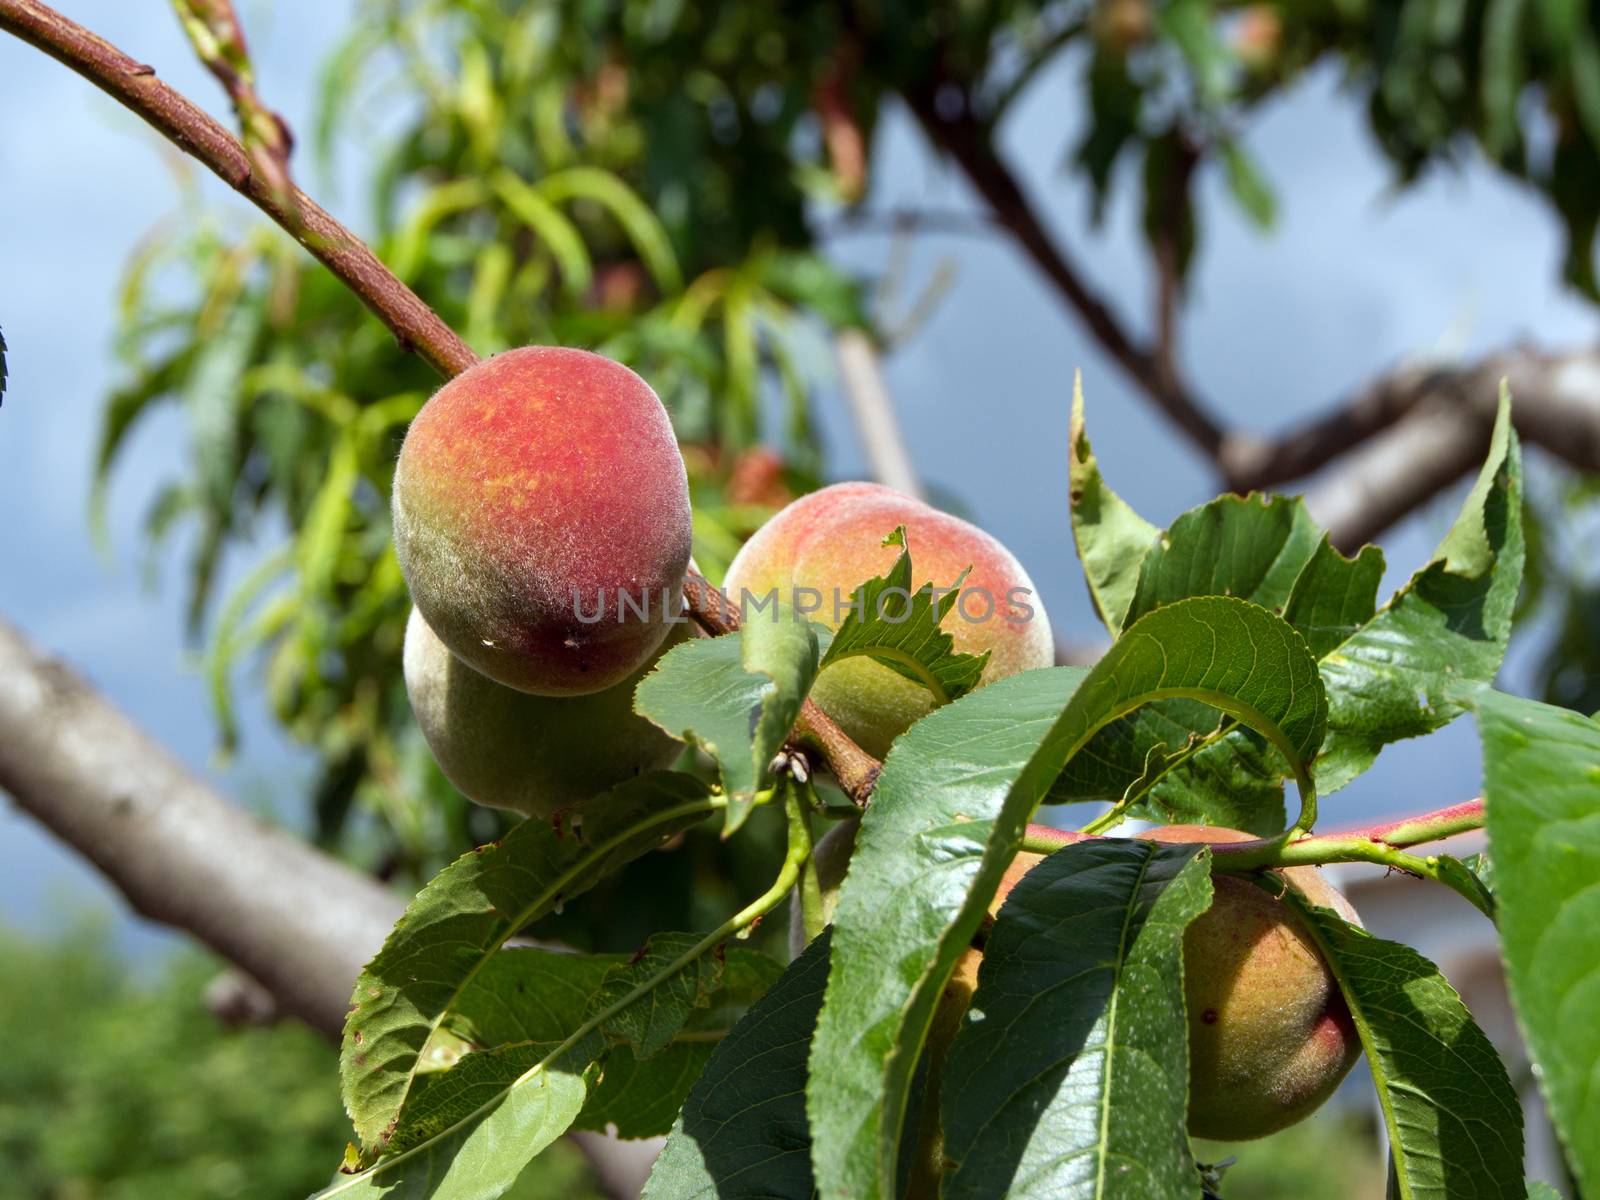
x: 1355, y: 278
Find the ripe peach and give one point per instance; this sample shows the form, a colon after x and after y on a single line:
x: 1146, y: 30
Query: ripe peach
x: 541, y: 518
x: 832, y: 542
x: 531, y: 754
x: 1270, y: 1036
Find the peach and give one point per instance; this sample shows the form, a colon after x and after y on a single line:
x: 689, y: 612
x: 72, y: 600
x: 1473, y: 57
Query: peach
x: 541, y: 518
x: 831, y: 542
x: 1270, y: 1036
x: 530, y: 754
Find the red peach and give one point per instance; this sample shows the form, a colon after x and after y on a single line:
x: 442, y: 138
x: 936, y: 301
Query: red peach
x: 541, y: 518
x: 1270, y: 1035
x: 831, y: 541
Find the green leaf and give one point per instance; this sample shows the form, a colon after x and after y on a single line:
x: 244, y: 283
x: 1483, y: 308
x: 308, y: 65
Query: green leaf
x: 452, y: 1108
x: 899, y: 628
x: 1190, y: 25
x: 948, y: 813
x: 1236, y: 782
x: 1253, y: 547
x: 1266, y: 550
x: 1334, y: 596
x: 1538, y: 1189
x: 453, y: 928
x: 476, y: 1160
x: 743, y: 1134
x: 736, y: 697
x: 1400, y: 674
x: 1088, y: 946
x: 915, y: 870
x: 648, y: 1026
x: 1250, y: 190
x: 1541, y: 768
x: 1464, y: 878
x: 551, y: 226
x: 642, y: 1099
x: 1111, y: 538
x: 1453, y: 1119
x: 631, y: 213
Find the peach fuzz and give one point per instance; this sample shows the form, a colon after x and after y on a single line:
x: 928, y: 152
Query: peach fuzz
x: 833, y: 539
x: 1270, y: 1035
x: 538, y: 487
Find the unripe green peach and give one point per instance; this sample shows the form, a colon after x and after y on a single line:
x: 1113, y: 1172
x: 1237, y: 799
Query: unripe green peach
x: 541, y: 518
x: 831, y: 542
x: 1270, y: 1036
x: 530, y: 754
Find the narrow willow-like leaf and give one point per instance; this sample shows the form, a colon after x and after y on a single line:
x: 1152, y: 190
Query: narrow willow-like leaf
x: 1070, y: 1075
x: 1541, y: 780
x: 743, y: 1134
x: 900, y: 627
x: 736, y: 697
x: 1253, y: 547
x: 1453, y: 1119
x: 1111, y: 538
x: 1400, y: 674
x: 947, y: 816
x: 455, y: 926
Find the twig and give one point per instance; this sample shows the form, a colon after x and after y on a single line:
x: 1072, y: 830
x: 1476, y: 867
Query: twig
x: 1167, y: 253
x: 1375, y: 844
x: 134, y: 84
x: 218, y: 38
x: 855, y: 771
x: 1385, y: 845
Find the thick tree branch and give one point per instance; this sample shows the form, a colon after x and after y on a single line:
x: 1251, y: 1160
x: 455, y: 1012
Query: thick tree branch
x: 134, y: 84
x: 1445, y: 433
x: 298, y: 921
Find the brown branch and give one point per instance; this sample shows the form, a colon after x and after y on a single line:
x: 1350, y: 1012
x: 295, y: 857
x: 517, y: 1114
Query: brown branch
x: 300, y: 922
x: 134, y: 84
x: 218, y: 38
x: 970, y: 144
x: 852, y: 768
x: 866, y: 393
x: 1250, y: 463
x: 1174, y: 220
x: 1444, y: 434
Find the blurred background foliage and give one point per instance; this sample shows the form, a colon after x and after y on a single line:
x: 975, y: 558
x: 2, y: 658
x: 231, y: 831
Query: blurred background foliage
x: 161, y: 1101
x: 655, y: 179
x: 158, y: 1100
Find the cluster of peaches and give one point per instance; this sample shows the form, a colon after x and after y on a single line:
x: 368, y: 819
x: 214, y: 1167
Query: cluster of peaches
x: 542, y: 521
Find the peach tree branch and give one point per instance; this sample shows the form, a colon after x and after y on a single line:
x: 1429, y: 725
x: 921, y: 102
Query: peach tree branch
x: 134, y: 85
